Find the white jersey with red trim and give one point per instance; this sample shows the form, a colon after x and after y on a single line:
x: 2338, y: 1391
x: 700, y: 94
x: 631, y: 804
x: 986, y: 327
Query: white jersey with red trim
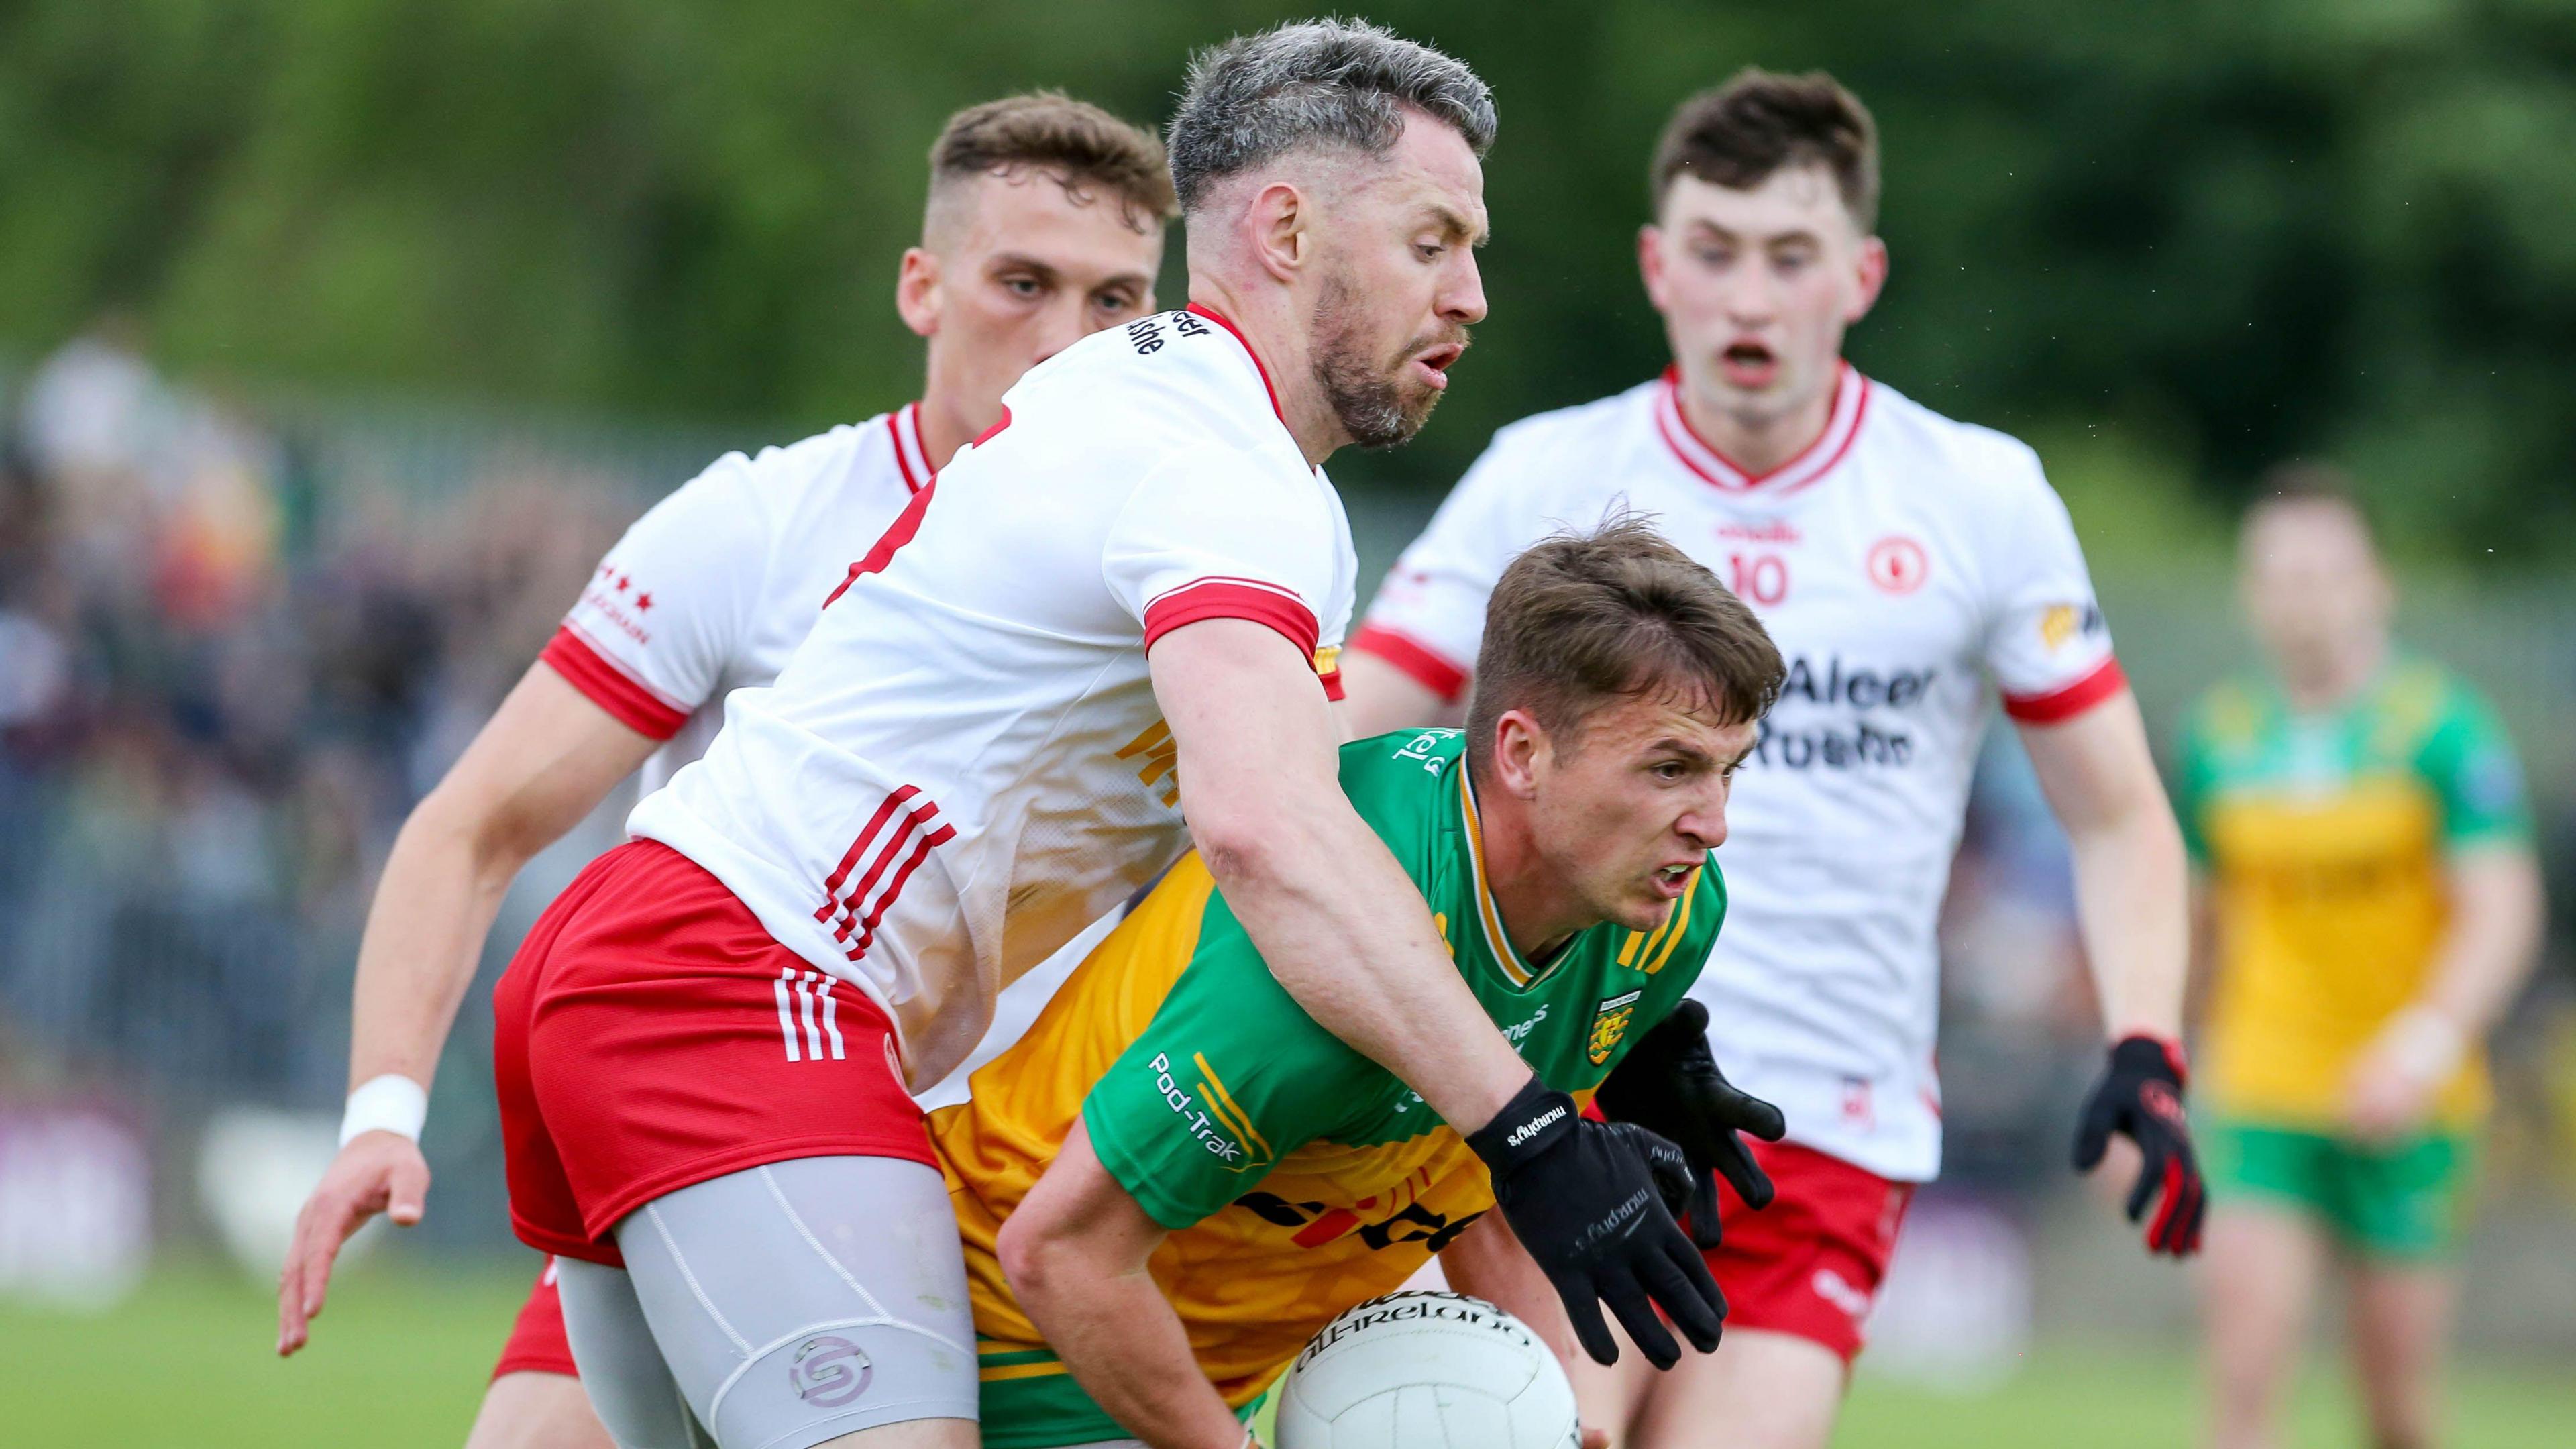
x: 964, y: 764
x: 717, y: 584
x: 1900, y: 563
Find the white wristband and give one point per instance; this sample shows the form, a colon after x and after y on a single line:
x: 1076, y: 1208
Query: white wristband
x: 390, y: 1103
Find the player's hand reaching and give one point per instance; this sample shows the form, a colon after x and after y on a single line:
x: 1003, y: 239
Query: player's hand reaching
x: 2140, y: 1097
x: 1588, y: 1202
x: 1669, y: 1084
x: 377, y: 1172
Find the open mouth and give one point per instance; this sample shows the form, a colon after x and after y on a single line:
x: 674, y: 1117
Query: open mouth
x: 1438, y: 361
x: 1749, y: 364
x: 1672, y: 880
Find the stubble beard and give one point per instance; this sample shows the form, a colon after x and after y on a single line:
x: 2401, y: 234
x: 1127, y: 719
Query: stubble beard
x: 1368, y: 397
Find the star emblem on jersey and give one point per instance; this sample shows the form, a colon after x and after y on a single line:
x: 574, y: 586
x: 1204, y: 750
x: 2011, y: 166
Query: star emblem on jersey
x: 1610, y: 1025
x: 1898, y: 565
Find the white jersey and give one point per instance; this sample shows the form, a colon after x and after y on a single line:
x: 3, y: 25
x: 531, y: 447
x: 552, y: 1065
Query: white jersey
x: 1900, y: 563
x: 964, y: 765
x: 717, y: 584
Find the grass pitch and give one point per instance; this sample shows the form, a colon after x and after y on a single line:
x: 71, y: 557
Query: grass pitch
x: 399, y: 1358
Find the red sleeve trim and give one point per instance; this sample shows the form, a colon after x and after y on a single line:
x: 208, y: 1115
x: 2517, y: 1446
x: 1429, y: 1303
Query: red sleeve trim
x: 606, y: 684
x: 2059, y: 705
x: 1333, y: 685
x: 1224, y: 598
x: 1415, y: 658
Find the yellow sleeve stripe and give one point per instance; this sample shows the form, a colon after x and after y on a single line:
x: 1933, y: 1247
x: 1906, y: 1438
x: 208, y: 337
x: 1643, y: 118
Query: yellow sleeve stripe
x: 1677, y: 926
x: 1002, y: 1372
x: 1235, y: 1117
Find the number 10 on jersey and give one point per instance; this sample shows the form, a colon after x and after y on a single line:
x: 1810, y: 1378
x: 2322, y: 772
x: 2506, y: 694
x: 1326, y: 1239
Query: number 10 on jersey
x: 1758, y: 578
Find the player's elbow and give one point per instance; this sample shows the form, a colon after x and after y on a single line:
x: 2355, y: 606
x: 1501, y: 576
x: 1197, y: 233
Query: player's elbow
x: 1245, y: 839
x: 472, y: 826
x: 1239, y: 857
x: 1037, y: 1257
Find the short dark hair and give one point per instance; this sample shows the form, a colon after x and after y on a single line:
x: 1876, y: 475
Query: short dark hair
x: 1760, y: 122
x: 2308, y: 482
x: 1083, y: 147
x: 1315, y: 83
x: 1583, y: 619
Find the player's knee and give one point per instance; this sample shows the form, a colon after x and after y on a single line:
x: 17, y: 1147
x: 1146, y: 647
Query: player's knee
x: 532, y: 1410
x: 1773, y: 1390
x: 913, y: 1434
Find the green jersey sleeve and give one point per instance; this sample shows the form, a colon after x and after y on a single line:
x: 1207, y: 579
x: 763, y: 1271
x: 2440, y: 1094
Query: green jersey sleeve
x: 1228, y: 1076
x: 2471, y: 765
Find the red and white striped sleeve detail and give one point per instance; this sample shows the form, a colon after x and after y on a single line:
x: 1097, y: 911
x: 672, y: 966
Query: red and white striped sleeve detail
x: 1423, y: 664
x: 1219, y: 597
x: 606, y: 683
x: 2059, y: 705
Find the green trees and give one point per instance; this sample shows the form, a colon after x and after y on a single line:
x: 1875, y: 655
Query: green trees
x: 2215, y: 232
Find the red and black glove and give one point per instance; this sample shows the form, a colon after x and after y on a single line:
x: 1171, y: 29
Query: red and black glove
x: 2140, y: 1097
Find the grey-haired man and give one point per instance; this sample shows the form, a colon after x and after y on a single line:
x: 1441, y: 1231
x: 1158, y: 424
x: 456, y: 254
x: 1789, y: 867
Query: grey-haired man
x: 1104, y: 633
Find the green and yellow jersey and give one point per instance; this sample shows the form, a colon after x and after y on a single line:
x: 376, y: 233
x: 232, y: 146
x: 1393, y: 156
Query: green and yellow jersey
x: 1299, y: 1177
x: 2325, y: 837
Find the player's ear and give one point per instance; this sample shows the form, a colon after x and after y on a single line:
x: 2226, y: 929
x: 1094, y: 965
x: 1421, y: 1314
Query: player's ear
x: 1650, y: 262
x: 1279, y: 227
x: 916, y: 291
x: 1519, y: 745
x: 1872, y: 265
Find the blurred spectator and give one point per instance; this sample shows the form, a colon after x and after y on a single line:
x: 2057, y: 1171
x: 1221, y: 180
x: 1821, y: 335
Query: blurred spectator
x: 221, y: 684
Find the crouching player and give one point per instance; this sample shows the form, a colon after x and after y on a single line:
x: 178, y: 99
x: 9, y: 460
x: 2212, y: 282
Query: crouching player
x: 1177, y: 1177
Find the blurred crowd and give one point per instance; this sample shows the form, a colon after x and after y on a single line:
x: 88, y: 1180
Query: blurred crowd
x: 236, y: 646
x: 224, y: 677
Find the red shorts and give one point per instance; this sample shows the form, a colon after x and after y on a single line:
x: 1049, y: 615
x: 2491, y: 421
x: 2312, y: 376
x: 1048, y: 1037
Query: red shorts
x: 650, y: 1035
x: 1810, y: 1263
x: 537, y: 1344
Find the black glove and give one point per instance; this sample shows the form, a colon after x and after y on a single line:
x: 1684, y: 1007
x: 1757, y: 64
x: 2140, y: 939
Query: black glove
x: 1588, y: 1201
x: 1670, y: 1085
x: 2140, y: 1096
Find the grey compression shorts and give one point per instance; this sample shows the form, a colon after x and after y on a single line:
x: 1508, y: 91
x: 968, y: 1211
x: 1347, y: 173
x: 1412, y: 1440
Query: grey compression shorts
x: 778, y: 1308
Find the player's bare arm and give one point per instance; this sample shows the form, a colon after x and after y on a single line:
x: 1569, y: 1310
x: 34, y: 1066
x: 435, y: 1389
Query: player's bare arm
x: 545, y: 760
x: 2487, y: 952
x: 1075, y: 1252
x: 2132, y: 909
x: 1336, y: 918
x: 1378, y: 697
x: 1355, y: 281
x: 2130, y: 877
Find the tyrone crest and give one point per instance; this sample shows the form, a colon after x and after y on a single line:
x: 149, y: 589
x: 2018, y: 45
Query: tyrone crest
x: 1610, y: 1025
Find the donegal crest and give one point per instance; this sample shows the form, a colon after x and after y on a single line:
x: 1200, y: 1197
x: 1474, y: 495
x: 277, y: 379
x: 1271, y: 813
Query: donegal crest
x: 1610, y: 1025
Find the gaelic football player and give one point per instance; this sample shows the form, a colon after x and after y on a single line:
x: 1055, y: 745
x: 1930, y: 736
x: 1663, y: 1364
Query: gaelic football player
x: 1906, y: 563
x: 2358, y: 819
x: 1177, y: 1176
x: 1101, y: 634
x: 1045, y: 222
